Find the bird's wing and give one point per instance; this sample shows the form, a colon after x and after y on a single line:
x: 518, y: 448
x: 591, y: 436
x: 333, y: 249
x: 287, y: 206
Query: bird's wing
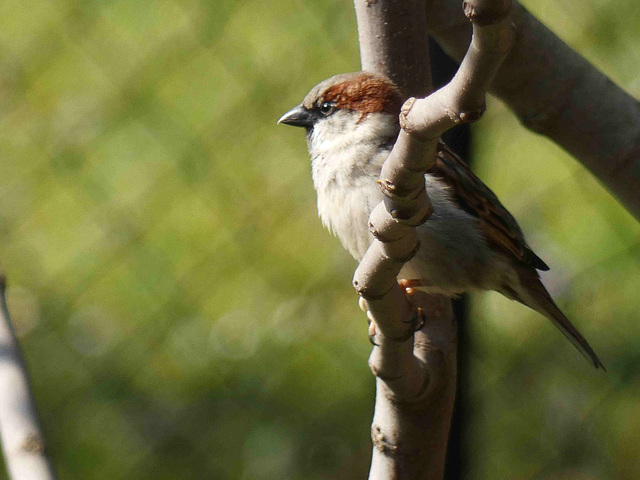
x: 500, y: 229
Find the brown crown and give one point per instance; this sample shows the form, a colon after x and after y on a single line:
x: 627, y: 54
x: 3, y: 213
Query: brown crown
x: 361, y: 92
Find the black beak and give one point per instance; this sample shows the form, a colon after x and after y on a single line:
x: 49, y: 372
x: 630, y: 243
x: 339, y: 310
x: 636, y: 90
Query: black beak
x: 298, y: 117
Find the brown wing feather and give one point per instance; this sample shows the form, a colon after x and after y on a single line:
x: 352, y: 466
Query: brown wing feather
x: 499, y: 227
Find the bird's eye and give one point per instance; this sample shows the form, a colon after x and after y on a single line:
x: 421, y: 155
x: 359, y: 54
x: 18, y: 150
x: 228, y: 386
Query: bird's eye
x: 327, y: 108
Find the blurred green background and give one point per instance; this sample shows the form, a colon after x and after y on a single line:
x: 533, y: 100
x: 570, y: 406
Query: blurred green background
x: 181, y: 309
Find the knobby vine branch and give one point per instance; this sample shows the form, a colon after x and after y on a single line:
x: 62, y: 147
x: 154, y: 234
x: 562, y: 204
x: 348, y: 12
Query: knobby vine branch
x: 416, y: 374
x: 556, y: 92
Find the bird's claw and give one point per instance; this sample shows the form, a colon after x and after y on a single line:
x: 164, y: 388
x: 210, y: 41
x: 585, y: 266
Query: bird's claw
x: 372, y: 333
x: 411, y: 283
x: 409, y: 286
x: 417, y: 320
x: 372, y: 324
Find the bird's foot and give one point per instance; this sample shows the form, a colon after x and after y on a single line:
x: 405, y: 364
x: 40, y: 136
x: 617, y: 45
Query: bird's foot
x: 411, y: 283
x: 417, y: 320
x: 410, y: 286
x: 372, y: 324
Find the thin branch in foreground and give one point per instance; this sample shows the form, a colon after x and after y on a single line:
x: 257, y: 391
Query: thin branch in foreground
x: 556, y: 92
x: 22, y: 439
x: 416, y: 375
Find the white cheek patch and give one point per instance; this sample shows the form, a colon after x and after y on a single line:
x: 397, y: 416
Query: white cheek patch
x: 345, y: 129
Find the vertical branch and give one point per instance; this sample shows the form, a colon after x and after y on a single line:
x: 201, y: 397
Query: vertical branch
x: 459, y: 138
x: 22, y: 439
x: 415, y: 391
x: 393, y: 42
x: 409, y: 438
x: 416, y: 374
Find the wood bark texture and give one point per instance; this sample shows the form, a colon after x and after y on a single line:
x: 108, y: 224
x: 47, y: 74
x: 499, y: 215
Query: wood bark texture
x: 416, y: 373
x: 22, y: 438
x: 556, y: 92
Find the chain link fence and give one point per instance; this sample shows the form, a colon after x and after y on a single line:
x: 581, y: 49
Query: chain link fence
x: 181, y: 309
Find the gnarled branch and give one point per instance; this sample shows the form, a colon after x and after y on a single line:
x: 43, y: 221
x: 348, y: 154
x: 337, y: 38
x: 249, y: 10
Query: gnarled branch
x: 416, y: 375
x: 556, y: 92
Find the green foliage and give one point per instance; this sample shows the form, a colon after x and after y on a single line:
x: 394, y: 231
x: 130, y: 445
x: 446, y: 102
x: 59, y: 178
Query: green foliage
x: 182, y: 311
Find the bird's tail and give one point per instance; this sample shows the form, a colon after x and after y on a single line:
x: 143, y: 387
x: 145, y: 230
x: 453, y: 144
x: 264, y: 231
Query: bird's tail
x: 540, y: 300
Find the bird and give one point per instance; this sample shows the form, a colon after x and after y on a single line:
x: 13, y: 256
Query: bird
x: 469, y: 243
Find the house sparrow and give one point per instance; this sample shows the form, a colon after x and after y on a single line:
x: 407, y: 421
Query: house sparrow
x: 470, y: 242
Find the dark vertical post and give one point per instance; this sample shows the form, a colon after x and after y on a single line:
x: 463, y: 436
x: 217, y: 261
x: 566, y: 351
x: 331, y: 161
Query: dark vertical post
x: 459, y: 139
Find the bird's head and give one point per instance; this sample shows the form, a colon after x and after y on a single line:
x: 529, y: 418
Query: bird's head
x: 347, y: 110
